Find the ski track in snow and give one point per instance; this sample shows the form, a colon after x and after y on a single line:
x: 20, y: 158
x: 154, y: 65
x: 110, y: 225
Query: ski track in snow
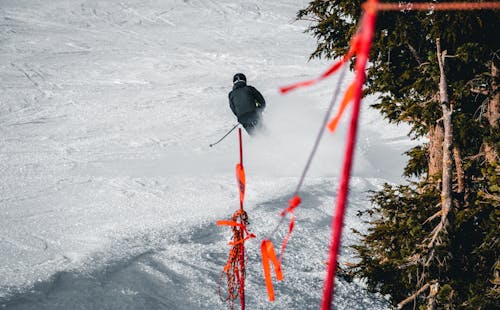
x: 109, y: 192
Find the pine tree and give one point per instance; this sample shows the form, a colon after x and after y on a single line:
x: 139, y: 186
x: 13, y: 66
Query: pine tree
x: 434, y: 242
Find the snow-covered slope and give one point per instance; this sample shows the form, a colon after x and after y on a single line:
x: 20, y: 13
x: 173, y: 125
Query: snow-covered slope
x: 109, y: 192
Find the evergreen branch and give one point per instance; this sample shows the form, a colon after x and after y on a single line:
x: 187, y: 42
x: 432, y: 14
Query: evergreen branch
x: 496, y: 277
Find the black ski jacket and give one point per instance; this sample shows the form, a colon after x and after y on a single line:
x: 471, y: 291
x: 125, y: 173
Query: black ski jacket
x: 246, y: 102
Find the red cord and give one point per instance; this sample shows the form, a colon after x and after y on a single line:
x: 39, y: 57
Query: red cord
x: 446, y: 6
x: 368, y: 27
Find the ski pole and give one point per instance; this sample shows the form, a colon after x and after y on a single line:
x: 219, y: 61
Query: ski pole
x: 224, y: 135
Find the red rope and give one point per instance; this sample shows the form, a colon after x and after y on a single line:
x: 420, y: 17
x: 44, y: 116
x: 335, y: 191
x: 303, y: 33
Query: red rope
x: 366, y: 35
x: 241, y: 147
x: 240, y: 172
x: 447, y: 6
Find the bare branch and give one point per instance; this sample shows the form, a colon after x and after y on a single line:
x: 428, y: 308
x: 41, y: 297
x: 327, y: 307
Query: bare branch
x: 434, y: 97
x: 459, y: 169
x: 434, y: 216
x: 479, y: 91
x: 351, y: 265
x: 431, y: 299
x: 490, y: 196
x: 431, y: 257
x: 435, y: 234
x: 414, y: 52
x: 414, y: 296
x: 411, y: 261
x: 474, y: 157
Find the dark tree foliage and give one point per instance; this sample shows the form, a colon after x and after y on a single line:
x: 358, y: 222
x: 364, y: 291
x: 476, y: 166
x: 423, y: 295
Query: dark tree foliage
x: 394, y: 256
x: 395, y: 233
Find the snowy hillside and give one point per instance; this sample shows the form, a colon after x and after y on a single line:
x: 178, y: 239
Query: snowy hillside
x: 109, y: 192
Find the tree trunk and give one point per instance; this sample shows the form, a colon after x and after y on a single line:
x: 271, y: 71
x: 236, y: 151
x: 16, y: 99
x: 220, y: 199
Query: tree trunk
x: 446, y: 159
x: 436, y: 135
x: 493, y: 114
x: 448, y: 138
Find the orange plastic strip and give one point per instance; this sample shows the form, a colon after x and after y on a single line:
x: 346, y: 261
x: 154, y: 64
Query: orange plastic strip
x: 240, y: 178
x: 268, y: 254
x: 288, y: 235
x: 292, y: 204
x: 229, y: 223
x: 250, y: 236
x: 347, y: 99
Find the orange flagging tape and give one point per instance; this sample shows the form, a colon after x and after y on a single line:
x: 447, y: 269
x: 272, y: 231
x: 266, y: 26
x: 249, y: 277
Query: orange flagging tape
x: 250, y: 236
x: 292, y: 204
x: 230, y: 223
x: 337, y: 65
x: 240, y: 178
x: 268, y: 254
x: 449, y: 6
x: 347, y: 99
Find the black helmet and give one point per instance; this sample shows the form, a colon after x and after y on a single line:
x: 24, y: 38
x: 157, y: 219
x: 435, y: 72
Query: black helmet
x: 239, y: 77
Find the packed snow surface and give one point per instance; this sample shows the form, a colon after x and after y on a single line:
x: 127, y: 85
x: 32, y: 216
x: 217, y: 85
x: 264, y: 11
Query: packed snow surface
x: 109, y: 191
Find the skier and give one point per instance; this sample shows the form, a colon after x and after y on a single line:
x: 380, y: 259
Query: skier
x: 247, y: 103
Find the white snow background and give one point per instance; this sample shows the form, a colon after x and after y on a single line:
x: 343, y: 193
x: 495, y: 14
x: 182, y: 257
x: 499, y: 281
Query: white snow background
x: 109, y: 191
